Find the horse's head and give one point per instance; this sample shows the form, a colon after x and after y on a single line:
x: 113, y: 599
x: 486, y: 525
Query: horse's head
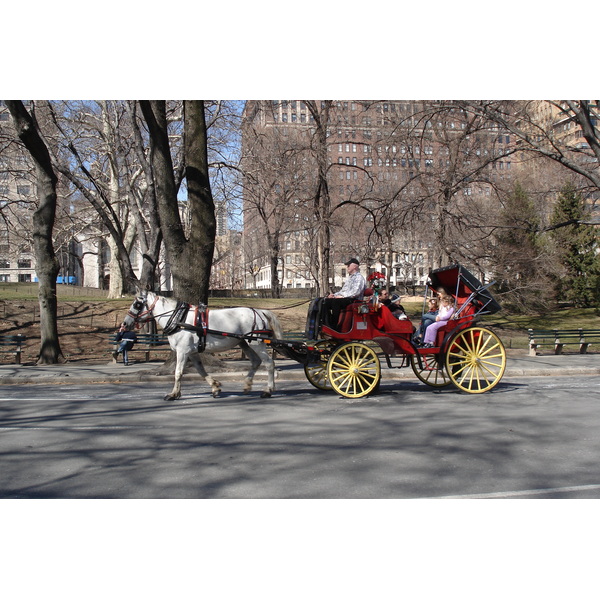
x: 138, y: 311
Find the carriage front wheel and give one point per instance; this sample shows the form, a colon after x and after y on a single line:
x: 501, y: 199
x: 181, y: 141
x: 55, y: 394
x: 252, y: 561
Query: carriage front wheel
x: 354, y: 370
x: 475, y: 360
x: 316, y: 372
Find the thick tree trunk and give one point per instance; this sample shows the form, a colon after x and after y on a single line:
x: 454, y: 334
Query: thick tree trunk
x: 47, y: 266
x: 194, y: 278
x: 190, y: 258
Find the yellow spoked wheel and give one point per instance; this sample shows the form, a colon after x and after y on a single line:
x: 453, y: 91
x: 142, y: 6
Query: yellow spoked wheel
x: 476, y: 360
x: 432, y: 373
x: 354, y: 370
x: 316, y: 373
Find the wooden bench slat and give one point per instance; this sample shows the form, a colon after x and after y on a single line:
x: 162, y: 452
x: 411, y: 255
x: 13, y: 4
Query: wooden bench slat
x: 560, y: 337
x: 146, y: 342
x: 10, y: 344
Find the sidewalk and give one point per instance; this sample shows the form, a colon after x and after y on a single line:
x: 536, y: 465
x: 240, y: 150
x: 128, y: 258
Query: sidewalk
x: 72, y: 373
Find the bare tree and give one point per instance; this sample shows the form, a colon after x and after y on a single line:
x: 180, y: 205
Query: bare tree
x: 190, y: 255
x: 565, y: 131
x: 43, y: 223
x: 276, y: 189
x: 102, y: 152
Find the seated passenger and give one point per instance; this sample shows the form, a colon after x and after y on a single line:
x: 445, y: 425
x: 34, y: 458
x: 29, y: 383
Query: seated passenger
x: 397, y: 308
x: 427, y: 319
x: 444, y: 314
x: 352, y: 290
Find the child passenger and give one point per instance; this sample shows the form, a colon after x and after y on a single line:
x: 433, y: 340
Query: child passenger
x: 427, y: 319
x: 444, y: 314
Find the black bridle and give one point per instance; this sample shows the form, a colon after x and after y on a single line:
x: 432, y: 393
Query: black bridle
x: 137, y: 313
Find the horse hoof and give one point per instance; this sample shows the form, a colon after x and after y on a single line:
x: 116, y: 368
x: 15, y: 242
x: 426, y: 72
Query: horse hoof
x: 169, y: 398
x: 216, y: 393
x: 265, y: 395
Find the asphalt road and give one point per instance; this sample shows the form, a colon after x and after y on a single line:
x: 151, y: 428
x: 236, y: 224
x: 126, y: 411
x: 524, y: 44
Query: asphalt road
x: 528, y: 438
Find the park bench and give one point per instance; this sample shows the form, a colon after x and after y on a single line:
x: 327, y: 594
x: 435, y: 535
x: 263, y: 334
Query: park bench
x: 561, y: 337
x: 146, y: 343
x: 12, y: 344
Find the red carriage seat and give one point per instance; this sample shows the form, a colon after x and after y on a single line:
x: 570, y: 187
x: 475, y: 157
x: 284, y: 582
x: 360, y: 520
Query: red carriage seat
x: 347, y: 314
x: 385, y: 321
x: 347, y: 317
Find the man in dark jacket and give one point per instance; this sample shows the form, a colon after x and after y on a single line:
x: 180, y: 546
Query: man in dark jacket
x: 127, y: 339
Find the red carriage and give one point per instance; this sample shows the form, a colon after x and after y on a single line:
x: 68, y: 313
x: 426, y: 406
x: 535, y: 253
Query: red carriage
x: 347, y: 358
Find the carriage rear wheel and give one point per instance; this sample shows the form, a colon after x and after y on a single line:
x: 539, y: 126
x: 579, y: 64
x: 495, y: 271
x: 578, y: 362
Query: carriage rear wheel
x: 354, y: 370
x: 432, y: 372
x: 316, y: 373
x: 475, y: 360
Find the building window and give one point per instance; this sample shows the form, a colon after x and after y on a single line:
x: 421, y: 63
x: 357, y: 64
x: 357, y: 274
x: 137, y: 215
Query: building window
x: 24, y: 190
x: 4, y: 278
x: 4, y: 264
x: 24, y: 263
x: 24, y: 278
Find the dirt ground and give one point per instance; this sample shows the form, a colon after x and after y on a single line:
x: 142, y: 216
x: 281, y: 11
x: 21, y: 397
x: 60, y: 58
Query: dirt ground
x: 84, y: 327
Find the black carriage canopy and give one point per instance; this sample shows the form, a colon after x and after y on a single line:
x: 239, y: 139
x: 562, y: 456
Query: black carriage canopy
x: 465, y: 287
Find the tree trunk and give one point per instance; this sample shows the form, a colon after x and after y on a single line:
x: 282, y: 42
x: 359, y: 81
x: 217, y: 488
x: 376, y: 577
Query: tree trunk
x: 47, y: 265
x: 276, y: 284
x: 190, y: 258
x: 201, y: 243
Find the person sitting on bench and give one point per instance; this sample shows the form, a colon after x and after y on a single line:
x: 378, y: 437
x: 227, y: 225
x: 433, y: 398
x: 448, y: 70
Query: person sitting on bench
x: 352, y: 290
x: 126, y: 340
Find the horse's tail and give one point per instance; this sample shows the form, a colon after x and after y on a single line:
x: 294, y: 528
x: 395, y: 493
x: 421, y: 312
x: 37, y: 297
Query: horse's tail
x: 274, y: 324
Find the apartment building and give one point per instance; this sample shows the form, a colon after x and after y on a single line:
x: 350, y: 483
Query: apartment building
x: 17, y: 197
x: 385, y: 161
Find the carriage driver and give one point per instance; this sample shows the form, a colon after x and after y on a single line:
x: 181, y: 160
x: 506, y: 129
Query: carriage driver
x: 352, y: 290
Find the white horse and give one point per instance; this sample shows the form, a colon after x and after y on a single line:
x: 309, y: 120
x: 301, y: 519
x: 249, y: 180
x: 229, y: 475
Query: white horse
x: 232, y: 322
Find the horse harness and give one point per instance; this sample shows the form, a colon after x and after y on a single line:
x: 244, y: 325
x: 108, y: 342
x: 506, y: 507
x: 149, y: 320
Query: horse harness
x: 260, y: 326
x: 199, y: 326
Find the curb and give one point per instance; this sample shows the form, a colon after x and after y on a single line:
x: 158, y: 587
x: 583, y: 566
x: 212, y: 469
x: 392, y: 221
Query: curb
x: 286, y: 374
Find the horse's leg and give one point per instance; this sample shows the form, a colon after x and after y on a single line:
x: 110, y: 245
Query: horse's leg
x: 254, y: 363
x: 264, y: 356
x: 180, y: 364
x: 214, y: 384
x: 259, y: 355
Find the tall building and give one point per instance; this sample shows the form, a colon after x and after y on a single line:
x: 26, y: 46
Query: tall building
x: 400, y: 176
x: 17, y: 197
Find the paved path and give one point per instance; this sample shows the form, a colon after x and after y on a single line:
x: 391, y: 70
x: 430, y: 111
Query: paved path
x: 516, y: 366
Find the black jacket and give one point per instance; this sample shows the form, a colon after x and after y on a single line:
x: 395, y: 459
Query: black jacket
x: 127, y: 335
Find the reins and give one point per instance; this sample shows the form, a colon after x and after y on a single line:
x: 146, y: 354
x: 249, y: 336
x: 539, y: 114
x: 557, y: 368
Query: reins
x: 274, y: 307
